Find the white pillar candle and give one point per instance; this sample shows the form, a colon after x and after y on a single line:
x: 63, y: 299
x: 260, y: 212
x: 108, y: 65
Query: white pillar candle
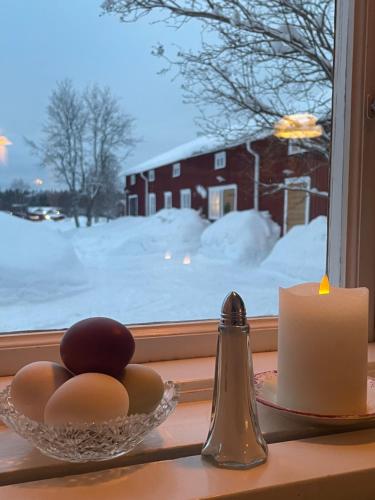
x: 322, y: 350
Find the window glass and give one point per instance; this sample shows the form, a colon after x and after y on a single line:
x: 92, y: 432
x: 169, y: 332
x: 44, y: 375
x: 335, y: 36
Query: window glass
x: 229, y: 115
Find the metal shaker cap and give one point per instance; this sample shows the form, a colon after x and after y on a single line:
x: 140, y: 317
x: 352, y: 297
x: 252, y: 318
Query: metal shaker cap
x: 233, y: 311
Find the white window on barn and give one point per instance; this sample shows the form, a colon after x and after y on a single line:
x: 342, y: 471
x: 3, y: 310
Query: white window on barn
x: 295, y: 147
x: 221, y: 200
x: 296, y: 202
x: 151, y: 175
x: 151, y: 203
x: 185, y: 198
x: 168, y: 199
x: 220, y: 160
x: 133, y: 204
x: 176, y: 170
x: 132, y: 179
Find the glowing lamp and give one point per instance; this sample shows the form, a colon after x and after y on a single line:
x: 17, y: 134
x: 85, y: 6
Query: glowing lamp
x: 324, y: 286
x: 298, y: 126
x: 4, y: 142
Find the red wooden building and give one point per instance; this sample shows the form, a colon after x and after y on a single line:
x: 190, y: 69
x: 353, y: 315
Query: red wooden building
x: 216, y: 179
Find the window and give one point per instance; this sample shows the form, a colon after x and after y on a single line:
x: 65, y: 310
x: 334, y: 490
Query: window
x: 222, y: 200
x: 296, y: 202
x: 168, y: 199
x: 133, y: 204
x: 220, y: 160
x: 151, y: 203
x: 151, y: 175
x: 185, y: 198
x: 132, y: 179
x: 176, y: 170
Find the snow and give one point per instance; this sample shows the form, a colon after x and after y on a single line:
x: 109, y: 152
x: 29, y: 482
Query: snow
x: 301, y: 253
x: 170, y: 266
x: 201, y: 190
x: 36, y: 264
x: 247, y: 236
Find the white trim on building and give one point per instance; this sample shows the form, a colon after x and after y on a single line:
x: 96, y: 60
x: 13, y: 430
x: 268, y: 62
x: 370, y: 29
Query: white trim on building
x: 168, y: 203
x: 185, y: 198
x: 132, y: 205
x: 151, y: 203
x: 306, y: 184
x: 220, y: 160
x: 176, y: 169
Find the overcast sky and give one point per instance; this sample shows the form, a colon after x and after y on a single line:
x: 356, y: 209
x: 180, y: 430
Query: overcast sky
x: 44, y: 41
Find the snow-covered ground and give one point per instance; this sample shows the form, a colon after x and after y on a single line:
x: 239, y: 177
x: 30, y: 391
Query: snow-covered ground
x: 52, y: 274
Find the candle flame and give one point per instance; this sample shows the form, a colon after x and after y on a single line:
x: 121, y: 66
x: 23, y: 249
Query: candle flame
x: 324, y: 286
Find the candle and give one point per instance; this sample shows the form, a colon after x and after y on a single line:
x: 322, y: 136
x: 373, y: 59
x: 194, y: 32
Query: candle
x: 322, y: 349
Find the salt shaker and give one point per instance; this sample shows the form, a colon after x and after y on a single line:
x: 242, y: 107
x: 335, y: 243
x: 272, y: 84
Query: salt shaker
x: 234, y: 440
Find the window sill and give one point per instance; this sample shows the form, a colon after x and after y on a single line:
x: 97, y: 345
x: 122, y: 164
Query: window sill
x: 180, y: 436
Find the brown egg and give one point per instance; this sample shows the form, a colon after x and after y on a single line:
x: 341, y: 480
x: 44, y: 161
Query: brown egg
x: 34, y: 384
x: 87, y: 398
x: 145, y: 388
x: 100, y: 345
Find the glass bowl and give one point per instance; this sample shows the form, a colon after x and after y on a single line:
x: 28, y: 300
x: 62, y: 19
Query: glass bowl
x: 88, y: 442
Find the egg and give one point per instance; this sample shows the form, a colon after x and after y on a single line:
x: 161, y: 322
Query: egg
x: 145, y: 388
x: 34, y: 384
x: 87, y: 398
x: 100, y: 345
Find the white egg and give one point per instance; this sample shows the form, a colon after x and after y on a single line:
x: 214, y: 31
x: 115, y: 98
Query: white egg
x: 145, y: 388
x: 34, y: 384
x: 86, y: 398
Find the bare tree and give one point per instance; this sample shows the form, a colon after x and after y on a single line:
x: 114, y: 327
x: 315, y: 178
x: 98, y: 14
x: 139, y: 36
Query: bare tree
x: 258, y: 60
x: 85, y: 138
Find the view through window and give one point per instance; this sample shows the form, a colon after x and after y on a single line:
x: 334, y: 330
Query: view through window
x: 157, y: 154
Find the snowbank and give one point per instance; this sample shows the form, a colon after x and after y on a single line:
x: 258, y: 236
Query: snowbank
x: 36, y: 263
x: 174, y: 230
x: 246, y: 236
x: 301, y: 253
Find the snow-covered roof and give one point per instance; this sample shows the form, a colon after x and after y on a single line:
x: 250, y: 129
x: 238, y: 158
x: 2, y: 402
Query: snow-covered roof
x: 200, y: 145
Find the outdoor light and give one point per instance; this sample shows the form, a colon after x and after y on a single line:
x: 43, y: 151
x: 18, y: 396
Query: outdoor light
x: 298, y: 126
x: 38, y: 182
x: 4, y: 142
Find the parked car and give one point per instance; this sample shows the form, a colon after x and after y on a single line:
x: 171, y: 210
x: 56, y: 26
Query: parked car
x: 44, y: 213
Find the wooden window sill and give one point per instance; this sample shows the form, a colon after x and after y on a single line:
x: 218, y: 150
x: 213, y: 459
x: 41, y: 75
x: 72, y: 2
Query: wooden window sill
x: 180, y: 436
x: 335, y: 466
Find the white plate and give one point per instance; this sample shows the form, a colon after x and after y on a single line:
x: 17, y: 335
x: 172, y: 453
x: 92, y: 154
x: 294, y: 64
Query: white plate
x: 266, y: 394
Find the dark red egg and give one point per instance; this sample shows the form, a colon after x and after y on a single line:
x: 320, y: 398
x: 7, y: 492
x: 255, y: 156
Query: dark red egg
x: 100, y: 345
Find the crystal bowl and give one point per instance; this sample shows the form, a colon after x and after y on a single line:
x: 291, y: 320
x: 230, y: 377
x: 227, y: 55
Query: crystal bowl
x: 88, y: 442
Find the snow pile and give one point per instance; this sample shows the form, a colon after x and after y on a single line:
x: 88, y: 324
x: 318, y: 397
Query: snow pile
x: 36, y: 263
x: 247, y: 236
x: 174, y: 230
x: 301, y: 253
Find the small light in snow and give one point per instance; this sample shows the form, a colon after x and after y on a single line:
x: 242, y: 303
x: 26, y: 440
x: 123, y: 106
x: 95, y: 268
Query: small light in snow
x: 4, y: 142
x: 167, y: 255
x: 38, y: 182
x: 186, y: 260
x: 298, y: 126
x: 324, y: 286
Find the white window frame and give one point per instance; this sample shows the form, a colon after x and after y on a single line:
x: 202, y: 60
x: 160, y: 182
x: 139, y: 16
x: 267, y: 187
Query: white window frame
x: 296, y: 180
x: 134, y: 197
x: 220, y: 189
x: 151, y: 203
x: 176, y: 169
x: 151, y: 175
x: 183, y: 194
x: 133, y: 179
x: 352, y: 205
x: 168, y: 199
x: 220, y: 160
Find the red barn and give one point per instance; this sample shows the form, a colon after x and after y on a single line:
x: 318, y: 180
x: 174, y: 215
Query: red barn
x: 266, y: 173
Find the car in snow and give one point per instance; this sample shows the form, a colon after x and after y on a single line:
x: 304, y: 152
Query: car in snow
x: 44, y: 213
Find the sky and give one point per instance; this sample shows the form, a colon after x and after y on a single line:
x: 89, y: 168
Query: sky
x: 45, y: 41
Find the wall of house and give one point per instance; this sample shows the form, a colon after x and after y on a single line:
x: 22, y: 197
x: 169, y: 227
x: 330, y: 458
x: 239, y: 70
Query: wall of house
x: 275, y: 165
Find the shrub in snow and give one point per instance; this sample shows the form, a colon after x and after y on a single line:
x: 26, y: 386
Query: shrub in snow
x: 36, y: 263
x: 301, y: 253
x: 246, y: 236
x: 172, y: 229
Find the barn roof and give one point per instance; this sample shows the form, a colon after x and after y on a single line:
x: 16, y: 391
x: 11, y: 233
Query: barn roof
x: 200, y: 145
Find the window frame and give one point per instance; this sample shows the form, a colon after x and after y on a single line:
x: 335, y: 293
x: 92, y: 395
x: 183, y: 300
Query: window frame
x: 220, y: 157
x: 151, y: 176
x: 133, y: 197
x: 168, y: 195
x: 151, y: 203
x: 184, y: 192
x: 296, y: 180
x: 220, y: 189
x: 176, y: 169
x: 133, y: 179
